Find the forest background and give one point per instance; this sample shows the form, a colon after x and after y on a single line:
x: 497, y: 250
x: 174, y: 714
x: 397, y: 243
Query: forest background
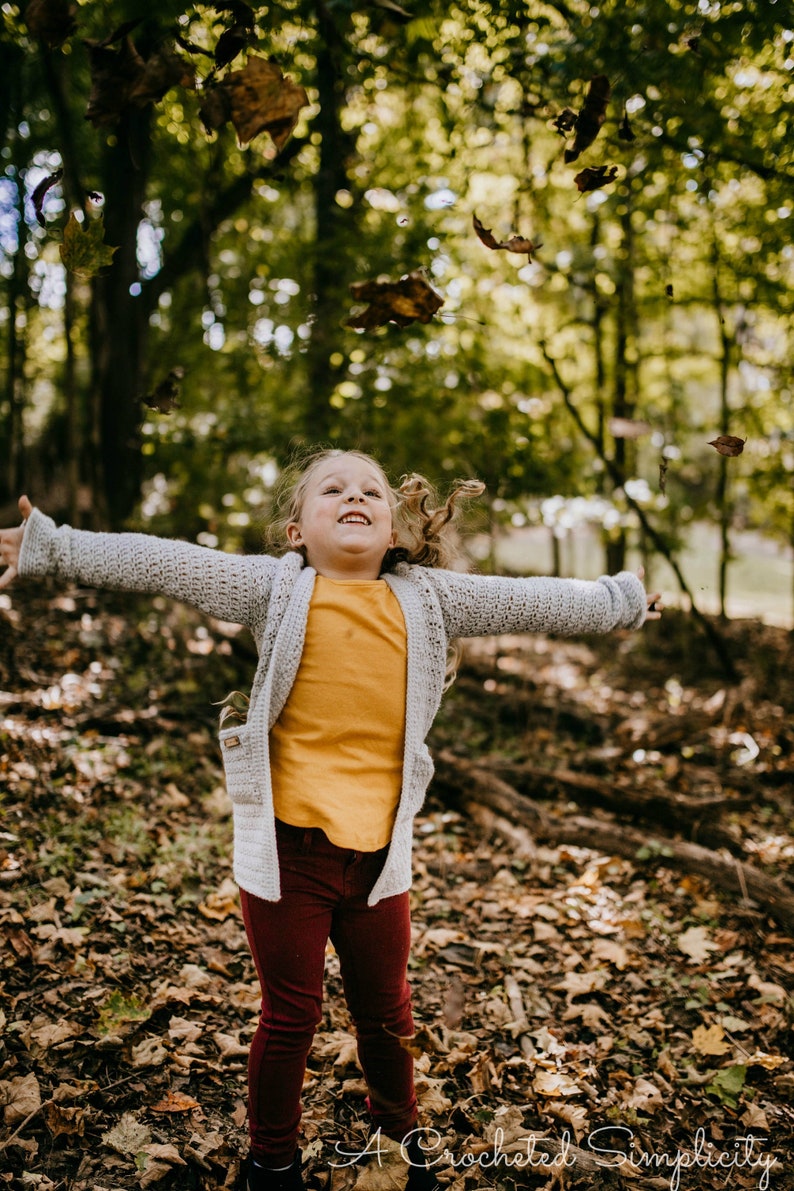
x: 543, y: 244
x: 192, y: 199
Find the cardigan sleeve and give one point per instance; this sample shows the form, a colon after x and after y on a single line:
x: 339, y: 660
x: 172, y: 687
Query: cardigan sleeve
x: 480, y: 605
x: 229, y: 587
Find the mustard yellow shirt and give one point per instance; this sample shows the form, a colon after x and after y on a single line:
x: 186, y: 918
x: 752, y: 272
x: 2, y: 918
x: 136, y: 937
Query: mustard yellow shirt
x: 337, y: 748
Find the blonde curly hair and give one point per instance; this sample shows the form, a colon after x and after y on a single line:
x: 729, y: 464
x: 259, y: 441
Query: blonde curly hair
x: 423, y: 524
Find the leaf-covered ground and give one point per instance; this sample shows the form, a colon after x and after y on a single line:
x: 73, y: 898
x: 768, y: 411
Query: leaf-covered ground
x: 583, y: 1020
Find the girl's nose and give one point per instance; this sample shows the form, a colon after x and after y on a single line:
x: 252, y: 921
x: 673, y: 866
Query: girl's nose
x: 356, y: 496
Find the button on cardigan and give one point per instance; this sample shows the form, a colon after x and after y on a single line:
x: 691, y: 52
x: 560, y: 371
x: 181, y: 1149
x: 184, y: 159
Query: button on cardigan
x: 271, y: 597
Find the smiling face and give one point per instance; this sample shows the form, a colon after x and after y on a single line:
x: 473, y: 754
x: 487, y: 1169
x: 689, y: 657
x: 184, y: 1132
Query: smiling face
x: 344, y: 523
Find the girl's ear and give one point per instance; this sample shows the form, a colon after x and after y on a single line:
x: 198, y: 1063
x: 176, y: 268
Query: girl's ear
x: 293, y: 533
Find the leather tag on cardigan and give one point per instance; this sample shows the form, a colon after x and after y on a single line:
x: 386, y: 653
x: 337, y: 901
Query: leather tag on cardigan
x: 231, y: 742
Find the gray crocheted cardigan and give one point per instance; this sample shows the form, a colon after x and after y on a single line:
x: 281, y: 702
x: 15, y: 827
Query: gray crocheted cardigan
x: 271, y: 597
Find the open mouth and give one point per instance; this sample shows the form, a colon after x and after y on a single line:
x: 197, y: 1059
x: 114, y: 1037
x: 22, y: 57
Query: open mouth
x: 354, y: 519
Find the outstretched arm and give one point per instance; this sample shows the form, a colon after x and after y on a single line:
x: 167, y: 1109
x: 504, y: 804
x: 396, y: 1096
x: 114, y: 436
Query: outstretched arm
x: 228, y: 586
x: 11, y: 544
x: 477, y: 605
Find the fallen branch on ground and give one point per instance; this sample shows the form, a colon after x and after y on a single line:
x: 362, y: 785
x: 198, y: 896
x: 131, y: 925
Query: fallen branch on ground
x: 472, y: 786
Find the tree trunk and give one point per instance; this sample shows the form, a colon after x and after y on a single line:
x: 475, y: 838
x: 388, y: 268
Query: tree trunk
x: 14, y: 448
x: 722, y: 496
x: 326, y: 362
x: 622, y: 405
x: 119, y: 325
x: 11, y: 435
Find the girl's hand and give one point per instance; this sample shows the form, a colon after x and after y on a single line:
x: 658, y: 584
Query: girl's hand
x: 11, y: 544
x: 654, y: 600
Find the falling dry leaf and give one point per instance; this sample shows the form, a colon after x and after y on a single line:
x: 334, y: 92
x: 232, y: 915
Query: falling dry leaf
x: 37, y: 198
x: 162, y: 70
x: 565, y: 121
x: 626, y: 132
x: 84, y: 251
x: 165, y: 396
x: 727, y: 444
x: 51, y: 20
x: 239, y: 33
x: 518, y: 244
x: 411, y: 299
x: 591, y: 117
x: 121, y: 78
x: 114, y: 72
x: 594, y: 177
x: 261, y: 99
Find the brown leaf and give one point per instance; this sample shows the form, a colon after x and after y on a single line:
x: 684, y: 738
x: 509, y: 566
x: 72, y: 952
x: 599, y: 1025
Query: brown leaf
x: 37, y: 198
x: 565, y: 121
x: 165, y: 396
x: 626, y: 132
x: 216, y: 107
x: 264, y: 100
x: 594, y: 177
x: 65, y: 1121
x: 411, y: 299
x: 51, y: 20
x: 591, y: 117
x: 709, y: 1040
x: 514, y: 244
x: 19, y: 1097
x: 726, y: 444
x: 239, y: 33
x: 175, y: 1102
x: 221, y: 904
x: 114, y: 74
x: 163, y: 70
x: 121, y: 78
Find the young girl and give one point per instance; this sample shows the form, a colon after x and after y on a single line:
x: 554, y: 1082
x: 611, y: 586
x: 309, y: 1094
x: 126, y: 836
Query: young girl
x: 352, y: 625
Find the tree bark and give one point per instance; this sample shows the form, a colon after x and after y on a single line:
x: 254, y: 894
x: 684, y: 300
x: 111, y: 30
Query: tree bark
x: 326, y: 362
x: 119, y: 325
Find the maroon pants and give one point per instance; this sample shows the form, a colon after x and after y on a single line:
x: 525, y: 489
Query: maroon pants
x: 324, y: 895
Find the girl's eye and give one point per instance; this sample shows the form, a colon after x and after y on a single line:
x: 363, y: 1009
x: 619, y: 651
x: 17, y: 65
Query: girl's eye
x: 372, y: 492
